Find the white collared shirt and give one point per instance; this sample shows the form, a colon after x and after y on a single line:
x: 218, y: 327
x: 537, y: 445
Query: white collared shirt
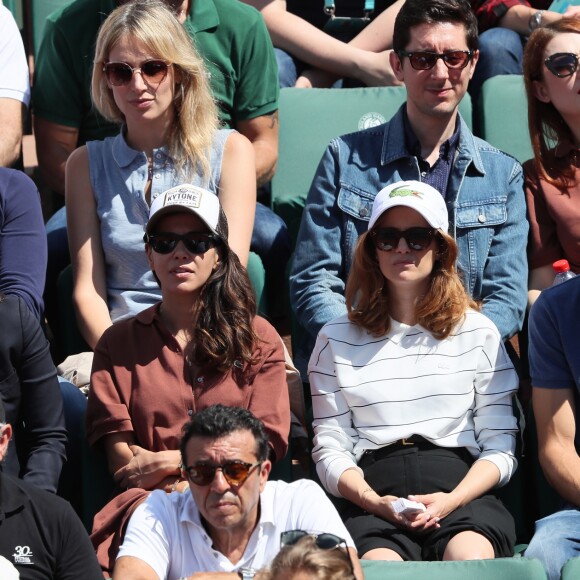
x: 166, y: 531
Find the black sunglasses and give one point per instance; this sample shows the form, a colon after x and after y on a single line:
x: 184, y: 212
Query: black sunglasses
x: 324, y: 541
x: 235, y: 472
x: 121, y: 73
x: 562, y: 64
x: 194, y: 242
x: 387, y: 239
x: 424, y: 60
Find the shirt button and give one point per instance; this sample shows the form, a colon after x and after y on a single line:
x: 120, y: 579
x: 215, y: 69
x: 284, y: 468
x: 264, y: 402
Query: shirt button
x: 158, y: 176
x: 158, y: 155
x: 364, y: 212
x: 423, y: 174
x: 190, y: 412
x: 481, y: 218
x: 199, y: 379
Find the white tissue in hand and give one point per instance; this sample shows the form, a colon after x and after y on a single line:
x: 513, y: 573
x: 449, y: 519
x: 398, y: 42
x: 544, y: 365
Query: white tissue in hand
x: 406, y: 506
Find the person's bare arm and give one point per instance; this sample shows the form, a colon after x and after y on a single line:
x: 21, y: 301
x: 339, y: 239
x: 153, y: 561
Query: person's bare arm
x: 237, y: 193
x: 539, y: 279
x: 86, y: 250
x: 554, y: 412
x: 131, y: 568
x: 54, y: 144
x: 313, y: 46
x: 262, y: 133
x: 134, y: 466
x: 11, y: 118
x: 518, y: 18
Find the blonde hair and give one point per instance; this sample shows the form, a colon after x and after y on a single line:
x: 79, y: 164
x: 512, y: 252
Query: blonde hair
x: 439, y: 311
x: 305, y: 556
x: 153, y: 24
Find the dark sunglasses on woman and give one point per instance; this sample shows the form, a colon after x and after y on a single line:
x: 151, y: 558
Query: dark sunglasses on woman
x: 194, y: 242
x: 387, y: 239
x: 121, y: 73
x: 562, y: 64
x: 235, y: 472
x: 425, y: 60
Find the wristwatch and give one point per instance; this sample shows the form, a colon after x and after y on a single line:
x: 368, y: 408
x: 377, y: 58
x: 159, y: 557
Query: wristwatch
x: 246, y: 573
x: 535, y: 20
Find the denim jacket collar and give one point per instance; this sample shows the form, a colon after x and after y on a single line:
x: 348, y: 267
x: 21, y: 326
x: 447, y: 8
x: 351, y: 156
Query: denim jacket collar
x: 394, y: 147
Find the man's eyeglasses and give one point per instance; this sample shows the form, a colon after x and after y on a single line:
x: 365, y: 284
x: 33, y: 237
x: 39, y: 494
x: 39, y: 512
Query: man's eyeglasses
x: 562, y: 64
x: 121, y: 73
x: 387, y: 239
x: 425, y: 60
x: 235, y: 472
x: 194, y: 242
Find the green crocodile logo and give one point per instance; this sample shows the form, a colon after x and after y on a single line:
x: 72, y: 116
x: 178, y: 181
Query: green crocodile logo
x: 404, y: 191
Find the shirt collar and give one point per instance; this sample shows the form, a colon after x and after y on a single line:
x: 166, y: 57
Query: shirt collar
x: 414, y: 147
x: 203, y: 15
x: 12, y: 498
x: 124, y: 155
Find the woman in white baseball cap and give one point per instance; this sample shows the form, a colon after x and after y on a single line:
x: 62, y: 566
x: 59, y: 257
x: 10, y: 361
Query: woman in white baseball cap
x: 412, y: 394
x: 202, y: 344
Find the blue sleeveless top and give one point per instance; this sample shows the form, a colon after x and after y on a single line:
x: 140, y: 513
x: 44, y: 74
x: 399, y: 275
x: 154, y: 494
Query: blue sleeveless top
x: 118, y: 177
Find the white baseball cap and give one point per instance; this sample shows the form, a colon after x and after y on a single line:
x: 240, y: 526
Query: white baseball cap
x: 190, y: 199
x: 419, y: 196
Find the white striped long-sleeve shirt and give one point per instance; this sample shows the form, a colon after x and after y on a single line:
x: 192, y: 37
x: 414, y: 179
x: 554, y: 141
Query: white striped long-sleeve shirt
x: 368, y: 392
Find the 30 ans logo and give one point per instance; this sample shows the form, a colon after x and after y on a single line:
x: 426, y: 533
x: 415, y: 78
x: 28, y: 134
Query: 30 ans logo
x: 22, y: 555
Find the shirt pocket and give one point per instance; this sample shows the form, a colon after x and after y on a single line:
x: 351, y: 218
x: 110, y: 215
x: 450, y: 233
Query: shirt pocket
x: 479, y: 214
x: 355, y: 202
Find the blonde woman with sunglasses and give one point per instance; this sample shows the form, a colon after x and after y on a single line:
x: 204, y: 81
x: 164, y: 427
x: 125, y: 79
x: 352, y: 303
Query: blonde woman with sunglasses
x: 552, y: 177
x: 147, y: 77
x: 412, y: 395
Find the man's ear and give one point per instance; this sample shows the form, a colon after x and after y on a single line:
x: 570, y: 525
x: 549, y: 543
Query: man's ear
x: 5, y: 436
x: 397, y: 66
x: 264, y: 473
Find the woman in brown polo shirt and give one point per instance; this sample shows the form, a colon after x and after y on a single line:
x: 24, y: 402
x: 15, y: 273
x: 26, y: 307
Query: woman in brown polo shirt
x: 552, y: 79
x: 202, y: 344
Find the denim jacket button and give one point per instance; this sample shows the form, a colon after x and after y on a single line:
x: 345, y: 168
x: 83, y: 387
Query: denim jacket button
x: 364, y: 212
x: 481, y: 218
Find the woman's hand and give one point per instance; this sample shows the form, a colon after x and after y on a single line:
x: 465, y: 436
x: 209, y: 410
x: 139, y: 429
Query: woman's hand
x: 439, y: 505
x: 147, y: 469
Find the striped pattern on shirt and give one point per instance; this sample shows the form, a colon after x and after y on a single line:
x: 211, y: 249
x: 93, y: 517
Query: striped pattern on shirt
x: 368, y: 392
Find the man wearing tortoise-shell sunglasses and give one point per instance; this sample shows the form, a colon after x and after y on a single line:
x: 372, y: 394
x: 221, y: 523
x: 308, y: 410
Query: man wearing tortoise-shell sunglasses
x: 231, y: 518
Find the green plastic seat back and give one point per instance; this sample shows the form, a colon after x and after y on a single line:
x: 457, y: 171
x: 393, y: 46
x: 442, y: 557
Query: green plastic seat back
x: 504, y: 568
x: 39, y: 12
x: 503, y: 115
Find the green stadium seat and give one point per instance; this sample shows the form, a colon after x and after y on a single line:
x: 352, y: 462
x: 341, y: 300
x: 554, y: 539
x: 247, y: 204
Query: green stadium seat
x: 504, y: 568
x: 39, y: 12
x: 571, y: 569
x: 502, y: 115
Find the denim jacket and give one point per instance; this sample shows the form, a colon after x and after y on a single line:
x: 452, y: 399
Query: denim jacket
x: 487, y: 217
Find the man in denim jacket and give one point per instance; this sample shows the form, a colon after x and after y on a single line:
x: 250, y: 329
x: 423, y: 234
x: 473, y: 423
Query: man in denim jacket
x: 435, y: 53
